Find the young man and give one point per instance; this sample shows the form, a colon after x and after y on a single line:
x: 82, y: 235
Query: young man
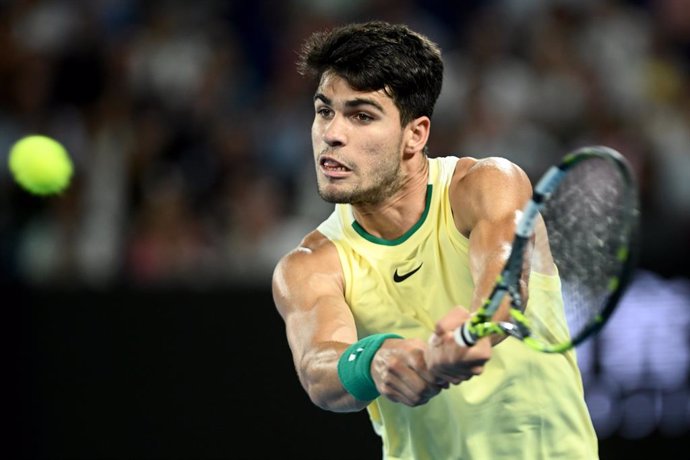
x: 371, y: 297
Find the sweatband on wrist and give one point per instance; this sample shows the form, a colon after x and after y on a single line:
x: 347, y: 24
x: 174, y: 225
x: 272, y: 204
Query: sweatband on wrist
x: 354, y: 366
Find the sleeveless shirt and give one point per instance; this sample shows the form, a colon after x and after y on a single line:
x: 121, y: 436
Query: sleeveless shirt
x: 525, y: 405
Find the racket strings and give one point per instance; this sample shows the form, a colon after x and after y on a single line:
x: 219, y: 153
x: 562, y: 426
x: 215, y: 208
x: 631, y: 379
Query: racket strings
x: 586, y: 224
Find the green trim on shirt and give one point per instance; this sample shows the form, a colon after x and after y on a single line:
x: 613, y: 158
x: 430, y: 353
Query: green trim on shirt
x: 375, y: 239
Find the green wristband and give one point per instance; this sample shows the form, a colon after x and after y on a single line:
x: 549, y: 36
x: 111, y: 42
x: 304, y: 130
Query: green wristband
x: 354, y: 366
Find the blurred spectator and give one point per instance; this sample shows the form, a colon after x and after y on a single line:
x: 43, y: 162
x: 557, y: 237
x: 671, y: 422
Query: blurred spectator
x: 190, y: 127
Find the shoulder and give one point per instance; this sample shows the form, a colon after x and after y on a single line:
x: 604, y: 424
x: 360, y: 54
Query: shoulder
x: 487, y: 189
x: 314, y: 263
x: 481, y: 171
x: 314, y: 251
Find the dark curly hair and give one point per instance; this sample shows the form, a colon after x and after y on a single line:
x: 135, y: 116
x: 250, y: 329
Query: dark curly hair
x: 376, y: 56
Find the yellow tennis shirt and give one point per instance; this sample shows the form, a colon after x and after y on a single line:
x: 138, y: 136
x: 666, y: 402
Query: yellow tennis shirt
x: 525, y: 405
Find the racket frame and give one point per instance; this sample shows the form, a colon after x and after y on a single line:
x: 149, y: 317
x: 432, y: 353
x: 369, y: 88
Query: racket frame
x: 507, y: 283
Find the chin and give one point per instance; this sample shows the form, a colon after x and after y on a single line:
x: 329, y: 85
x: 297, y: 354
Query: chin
x: 334, y: 197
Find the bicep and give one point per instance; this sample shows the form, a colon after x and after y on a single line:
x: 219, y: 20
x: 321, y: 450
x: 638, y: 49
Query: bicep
x: 308, y: 294
x: 489, y: 201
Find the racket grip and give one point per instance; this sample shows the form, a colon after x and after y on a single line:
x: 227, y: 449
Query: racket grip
x: 464, y: 336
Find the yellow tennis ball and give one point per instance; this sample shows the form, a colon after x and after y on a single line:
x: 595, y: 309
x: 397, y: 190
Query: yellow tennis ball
x: 40, y: 164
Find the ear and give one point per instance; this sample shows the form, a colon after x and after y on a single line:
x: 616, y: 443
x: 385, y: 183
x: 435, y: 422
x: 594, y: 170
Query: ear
x: 416, y: 135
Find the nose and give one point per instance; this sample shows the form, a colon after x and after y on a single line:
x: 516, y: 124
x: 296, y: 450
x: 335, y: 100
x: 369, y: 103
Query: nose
x: 334, y: 132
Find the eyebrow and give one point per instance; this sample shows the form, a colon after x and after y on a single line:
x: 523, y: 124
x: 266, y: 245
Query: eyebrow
x: 356, y: 102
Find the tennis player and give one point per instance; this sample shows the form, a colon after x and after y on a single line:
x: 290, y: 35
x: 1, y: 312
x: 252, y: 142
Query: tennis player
x: 371, y: 296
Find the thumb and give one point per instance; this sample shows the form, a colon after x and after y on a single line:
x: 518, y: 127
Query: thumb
x: 452, y: 320
x: 435, y: 340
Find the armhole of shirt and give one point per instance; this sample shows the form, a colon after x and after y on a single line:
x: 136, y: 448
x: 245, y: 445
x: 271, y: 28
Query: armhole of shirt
x: 332, y: 229
x: 446, y: 172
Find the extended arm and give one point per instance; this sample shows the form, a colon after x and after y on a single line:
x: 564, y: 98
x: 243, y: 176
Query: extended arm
x: 486, y: 199
x: 494, y: 193
x: 308, y: 293
x: 318, y: 323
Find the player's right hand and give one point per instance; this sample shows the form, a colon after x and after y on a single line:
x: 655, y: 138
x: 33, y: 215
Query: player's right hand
x: 401, y: 374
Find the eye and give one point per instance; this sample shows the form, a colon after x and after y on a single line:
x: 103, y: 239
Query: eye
x: 363, y: 117
x: 324, y: 112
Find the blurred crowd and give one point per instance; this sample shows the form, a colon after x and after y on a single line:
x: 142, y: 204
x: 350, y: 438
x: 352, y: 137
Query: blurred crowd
x: 189, y: 126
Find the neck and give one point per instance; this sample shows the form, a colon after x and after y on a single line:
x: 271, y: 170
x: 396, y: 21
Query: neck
x: 391, y: 218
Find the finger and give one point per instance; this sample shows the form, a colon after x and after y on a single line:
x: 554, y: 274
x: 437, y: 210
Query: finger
x: 436, y: 338
x: 421, y: 382
x: 411, y: 390
x: 452, y: 320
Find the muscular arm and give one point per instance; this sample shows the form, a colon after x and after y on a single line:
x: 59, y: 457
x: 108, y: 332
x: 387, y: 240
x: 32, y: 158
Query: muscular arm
x: 486, y: 197
x: 487, y: 203
x: 308, y: 293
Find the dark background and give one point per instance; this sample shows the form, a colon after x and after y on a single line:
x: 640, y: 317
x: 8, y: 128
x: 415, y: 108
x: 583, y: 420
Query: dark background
x: 170, y: 374
x: 164, y: 374
x: 137, y: 315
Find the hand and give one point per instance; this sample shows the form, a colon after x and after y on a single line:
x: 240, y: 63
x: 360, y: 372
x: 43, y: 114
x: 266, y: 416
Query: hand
x: 400, y: 372
x: 449, y: 362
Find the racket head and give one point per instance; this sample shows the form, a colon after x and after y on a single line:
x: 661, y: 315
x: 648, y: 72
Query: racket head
x: 590, y: 212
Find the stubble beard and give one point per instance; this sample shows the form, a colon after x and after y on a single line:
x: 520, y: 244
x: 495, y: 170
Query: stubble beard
x: 387, y: 179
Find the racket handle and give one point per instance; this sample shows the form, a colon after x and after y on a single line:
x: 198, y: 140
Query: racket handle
x: 464, y: 337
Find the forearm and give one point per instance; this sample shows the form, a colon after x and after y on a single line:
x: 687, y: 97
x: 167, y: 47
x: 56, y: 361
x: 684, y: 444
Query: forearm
x: 488, y: 256
x: 318, y: 373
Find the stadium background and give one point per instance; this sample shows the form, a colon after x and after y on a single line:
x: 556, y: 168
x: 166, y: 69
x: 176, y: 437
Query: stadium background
x: 138, y: 321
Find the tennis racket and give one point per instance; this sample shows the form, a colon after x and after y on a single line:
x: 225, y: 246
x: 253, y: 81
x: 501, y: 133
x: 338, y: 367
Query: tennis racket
x: 588, y: 206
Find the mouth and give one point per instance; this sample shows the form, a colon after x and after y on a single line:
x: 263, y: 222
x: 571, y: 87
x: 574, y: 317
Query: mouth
x: 333, y: 168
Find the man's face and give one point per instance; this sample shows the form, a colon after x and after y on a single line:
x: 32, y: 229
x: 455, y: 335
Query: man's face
x: 357, y: 142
